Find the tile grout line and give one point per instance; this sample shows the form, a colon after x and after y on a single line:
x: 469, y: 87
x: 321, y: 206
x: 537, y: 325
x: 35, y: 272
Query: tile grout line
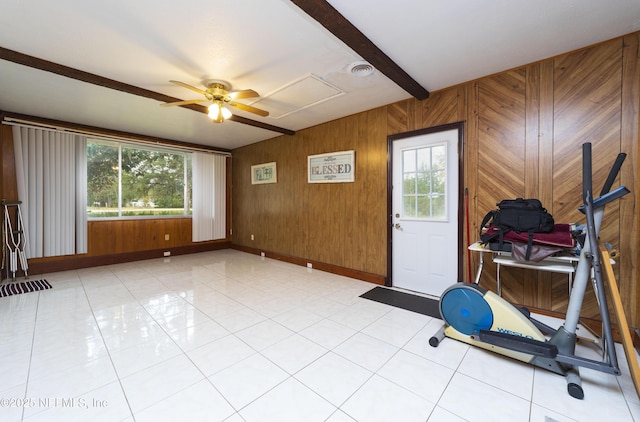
x: 105, y: 346
x: 33, y: 337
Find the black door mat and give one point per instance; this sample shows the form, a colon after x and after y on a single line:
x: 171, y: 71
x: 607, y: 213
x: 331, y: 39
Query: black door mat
x: 414, y: 303
x: 14, y: 288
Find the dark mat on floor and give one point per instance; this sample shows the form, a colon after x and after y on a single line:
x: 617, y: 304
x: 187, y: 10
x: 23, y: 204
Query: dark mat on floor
x: 15, y: 288
x: 414, y: 303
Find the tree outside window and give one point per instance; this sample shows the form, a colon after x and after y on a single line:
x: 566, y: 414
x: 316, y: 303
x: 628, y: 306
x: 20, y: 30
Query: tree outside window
x: 424, y: 174
x: 131, y: 181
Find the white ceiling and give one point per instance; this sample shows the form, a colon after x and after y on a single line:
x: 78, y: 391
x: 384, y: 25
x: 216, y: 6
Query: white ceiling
x: 267, y: 45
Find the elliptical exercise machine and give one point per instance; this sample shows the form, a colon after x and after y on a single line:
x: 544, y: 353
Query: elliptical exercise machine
x: 481, y: 318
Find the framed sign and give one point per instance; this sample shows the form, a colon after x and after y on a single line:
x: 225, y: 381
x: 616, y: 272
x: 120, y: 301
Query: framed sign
x: 335, y: 167
x: 264, y: 173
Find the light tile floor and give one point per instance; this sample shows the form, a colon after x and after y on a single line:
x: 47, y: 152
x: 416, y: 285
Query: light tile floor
x: 228, y: 336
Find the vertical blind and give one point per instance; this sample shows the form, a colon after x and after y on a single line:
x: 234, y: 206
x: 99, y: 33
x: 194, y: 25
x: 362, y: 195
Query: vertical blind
x: 209, y: 197
x: 50, y: 173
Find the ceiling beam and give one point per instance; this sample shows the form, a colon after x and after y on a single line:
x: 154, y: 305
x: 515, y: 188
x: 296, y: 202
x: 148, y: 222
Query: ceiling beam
x: 80, y: 75
x: 9, y: 116
x: 338, y: 25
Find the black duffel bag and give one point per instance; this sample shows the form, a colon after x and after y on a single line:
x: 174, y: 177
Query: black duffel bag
x: 518, y: 215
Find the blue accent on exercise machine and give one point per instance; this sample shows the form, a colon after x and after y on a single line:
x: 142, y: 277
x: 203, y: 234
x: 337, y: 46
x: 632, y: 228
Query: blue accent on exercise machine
x: 466, y: 310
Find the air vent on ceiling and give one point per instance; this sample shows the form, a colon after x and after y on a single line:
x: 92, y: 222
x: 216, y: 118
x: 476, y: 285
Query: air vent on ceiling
x: 361, y: 69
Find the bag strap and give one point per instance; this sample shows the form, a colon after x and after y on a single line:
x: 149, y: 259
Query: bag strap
x: 527, y: 255
x: 486, y: 220
x: 486, y: 238
x: 499, y: 233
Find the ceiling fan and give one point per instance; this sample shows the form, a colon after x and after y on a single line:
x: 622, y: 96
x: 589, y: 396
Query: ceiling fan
x: 218, y: 94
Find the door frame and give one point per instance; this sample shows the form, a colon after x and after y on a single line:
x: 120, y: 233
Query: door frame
x: 461, y: 203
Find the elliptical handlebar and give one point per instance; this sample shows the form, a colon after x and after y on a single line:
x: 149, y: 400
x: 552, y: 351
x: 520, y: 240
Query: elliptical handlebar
x: 586, y: 173
x: 587, y: 187
x: 613, y: 173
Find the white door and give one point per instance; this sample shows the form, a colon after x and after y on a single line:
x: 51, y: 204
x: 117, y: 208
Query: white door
x: 425, y: 212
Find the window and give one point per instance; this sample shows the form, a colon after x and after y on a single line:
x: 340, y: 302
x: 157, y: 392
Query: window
x: 424, y: 182
x: 125, y: 180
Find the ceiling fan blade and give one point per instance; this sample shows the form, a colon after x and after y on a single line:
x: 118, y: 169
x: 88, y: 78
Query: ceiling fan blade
x: 250, y: 109
x: 245, y: 93
x: 179, y: 103
x: 193, y: 88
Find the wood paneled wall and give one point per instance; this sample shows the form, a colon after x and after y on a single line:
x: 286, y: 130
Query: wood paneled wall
x: 343, y: 224
x: 126, y: 236
x: 523, y: 134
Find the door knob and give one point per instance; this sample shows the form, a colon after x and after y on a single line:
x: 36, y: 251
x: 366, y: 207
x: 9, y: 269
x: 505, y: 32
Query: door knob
x: 397, y: 226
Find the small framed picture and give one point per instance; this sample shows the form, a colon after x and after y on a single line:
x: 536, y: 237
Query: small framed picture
x: 264, y: 173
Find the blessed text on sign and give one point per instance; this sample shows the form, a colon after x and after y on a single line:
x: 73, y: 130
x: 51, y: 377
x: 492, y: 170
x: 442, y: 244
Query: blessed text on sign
x: 335, y: 167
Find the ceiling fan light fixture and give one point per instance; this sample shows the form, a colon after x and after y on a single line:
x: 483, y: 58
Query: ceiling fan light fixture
x: 218, y: 112
x: 218, y: 94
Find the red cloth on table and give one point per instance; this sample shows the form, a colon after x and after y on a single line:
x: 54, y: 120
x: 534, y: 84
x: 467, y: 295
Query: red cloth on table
x: 560, y: 236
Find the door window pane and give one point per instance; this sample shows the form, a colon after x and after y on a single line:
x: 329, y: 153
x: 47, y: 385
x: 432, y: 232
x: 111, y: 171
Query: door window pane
x: 409, y: 183
x: 424, y: 187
